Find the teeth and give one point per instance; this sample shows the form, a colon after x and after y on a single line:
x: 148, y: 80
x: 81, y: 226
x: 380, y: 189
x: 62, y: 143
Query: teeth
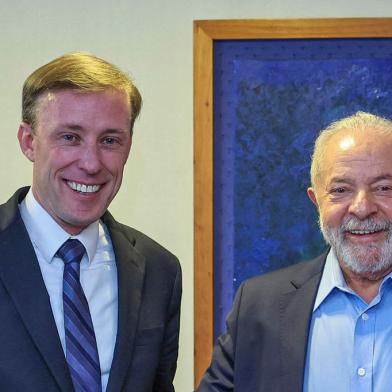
x: 83, y: 188
x: 363, y: 231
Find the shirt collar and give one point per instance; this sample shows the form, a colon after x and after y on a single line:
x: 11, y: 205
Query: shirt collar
x: 47, y: 235
x: 332, y: 278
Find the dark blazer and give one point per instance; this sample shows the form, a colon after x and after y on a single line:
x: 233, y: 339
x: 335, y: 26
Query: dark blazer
x: 149, y: 294
x: 264, y: 347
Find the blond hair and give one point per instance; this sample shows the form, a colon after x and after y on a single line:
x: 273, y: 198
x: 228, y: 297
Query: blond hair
x: 358, y: 122
x: 81, y: 71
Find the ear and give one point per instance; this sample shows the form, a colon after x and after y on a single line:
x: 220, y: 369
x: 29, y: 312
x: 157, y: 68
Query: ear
x: 312, y: 196
x: 26, y: 138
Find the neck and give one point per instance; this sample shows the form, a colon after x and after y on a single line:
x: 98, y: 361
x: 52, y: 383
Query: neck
x: 366, y: 285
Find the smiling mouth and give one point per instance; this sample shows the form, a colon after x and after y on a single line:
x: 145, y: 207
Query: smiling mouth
x: 83, y: 188
x: 363, y: 232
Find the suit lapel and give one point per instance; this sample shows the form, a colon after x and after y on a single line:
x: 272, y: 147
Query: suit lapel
x: 295, y: 312
x: 130, y: 270
x: 21, y: 275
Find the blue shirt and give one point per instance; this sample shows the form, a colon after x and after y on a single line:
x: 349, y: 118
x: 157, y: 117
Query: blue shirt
x: 350, y: 341
x: 98, y: 275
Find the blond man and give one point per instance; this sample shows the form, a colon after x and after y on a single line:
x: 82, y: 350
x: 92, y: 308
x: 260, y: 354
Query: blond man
x: 86, y: 303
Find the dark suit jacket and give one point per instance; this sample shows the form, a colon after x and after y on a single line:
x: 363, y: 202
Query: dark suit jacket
x: 149, y: 294
x: 264, y: 348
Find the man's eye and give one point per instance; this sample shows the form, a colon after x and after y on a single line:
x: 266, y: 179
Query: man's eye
x: 384, y: 188
x: 109, y: 140
x: 69, y: 138
x: 338, y: 190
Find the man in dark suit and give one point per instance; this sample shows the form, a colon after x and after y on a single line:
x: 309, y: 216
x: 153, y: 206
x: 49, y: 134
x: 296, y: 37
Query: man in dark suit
x: 323, y: 325
x: 86, y: 303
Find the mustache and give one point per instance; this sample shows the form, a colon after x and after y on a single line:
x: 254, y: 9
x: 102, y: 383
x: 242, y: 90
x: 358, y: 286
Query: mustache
x: 371, y: 224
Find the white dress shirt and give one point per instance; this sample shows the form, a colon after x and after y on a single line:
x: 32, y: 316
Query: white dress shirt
x: 98, y: 275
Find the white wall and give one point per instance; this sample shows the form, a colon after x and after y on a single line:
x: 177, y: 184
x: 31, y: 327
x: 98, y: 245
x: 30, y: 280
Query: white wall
x: 152, y: 40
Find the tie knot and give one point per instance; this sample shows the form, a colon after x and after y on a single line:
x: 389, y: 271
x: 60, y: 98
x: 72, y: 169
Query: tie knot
x: 71, y: 251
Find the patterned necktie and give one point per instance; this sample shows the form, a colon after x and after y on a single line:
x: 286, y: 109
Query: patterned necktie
x: 81, y: 346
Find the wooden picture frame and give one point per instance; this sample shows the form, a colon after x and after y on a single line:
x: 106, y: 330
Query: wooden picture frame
x: 205, y: 34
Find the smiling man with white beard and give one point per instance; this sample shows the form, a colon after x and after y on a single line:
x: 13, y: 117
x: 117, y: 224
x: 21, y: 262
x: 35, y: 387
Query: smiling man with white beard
x: 352, y: 188
x: 324, y: 325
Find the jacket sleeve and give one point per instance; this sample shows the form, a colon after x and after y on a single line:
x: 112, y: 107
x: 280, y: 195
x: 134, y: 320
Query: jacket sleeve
x: 219, y: 377
x: 169, y: 353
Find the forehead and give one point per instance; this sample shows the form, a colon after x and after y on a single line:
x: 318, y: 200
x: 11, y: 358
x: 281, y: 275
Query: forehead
x: 73, y: 100
x: 358, y: 155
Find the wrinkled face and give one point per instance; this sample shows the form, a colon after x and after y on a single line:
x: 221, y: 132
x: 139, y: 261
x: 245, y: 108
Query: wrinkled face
x: 354, y: 198
x: 79, y: 147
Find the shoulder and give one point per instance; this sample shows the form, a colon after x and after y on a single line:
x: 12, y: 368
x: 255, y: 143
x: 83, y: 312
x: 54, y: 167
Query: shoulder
x: 146, y: 245
x: 9, y: 211
x: 152, y: 251
x: 263, y: 294
x: 286, y: 279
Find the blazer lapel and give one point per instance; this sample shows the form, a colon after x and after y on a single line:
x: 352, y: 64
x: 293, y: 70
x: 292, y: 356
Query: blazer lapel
x: 296, y: 308
x: 21, y: 275
x: 130, y: 270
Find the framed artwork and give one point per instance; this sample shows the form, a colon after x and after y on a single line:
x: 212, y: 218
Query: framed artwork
x: 263, y: 89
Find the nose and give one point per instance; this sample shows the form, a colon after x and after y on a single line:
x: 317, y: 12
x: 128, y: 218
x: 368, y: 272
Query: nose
x: 90, y: 160
x: 363, y: 205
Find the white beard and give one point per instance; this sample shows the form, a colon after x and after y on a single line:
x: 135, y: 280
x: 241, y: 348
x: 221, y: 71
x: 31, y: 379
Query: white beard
x: 360, y: 259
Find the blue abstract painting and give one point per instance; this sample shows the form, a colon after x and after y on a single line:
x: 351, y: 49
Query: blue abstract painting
x: 271, y: 99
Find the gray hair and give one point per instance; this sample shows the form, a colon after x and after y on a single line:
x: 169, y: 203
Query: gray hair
x: 358, y: 122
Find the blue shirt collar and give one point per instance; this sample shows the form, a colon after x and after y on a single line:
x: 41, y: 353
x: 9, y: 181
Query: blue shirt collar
x: 333, y: 278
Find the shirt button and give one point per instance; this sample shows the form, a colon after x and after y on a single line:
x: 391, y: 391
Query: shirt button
x: 361, y: 371
x: 365, y: 316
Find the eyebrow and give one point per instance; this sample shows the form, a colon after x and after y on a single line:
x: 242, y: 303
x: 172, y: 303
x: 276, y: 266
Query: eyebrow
x: 75, y: 127
x: 349, y: 181
x: 383, y: 177
x: 341, y: 179
x: 68, y: 126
